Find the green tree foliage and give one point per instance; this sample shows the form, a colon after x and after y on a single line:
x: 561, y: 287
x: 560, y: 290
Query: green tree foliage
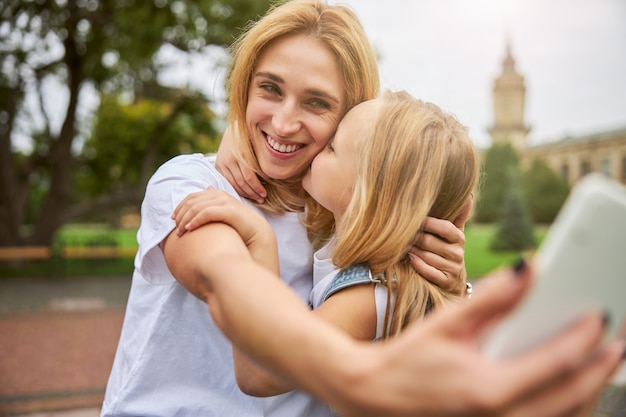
x: 545, y: 191
x: 81, y: 45
x: 515, y: 226
x: 125, y: 134
x: 498, y: 161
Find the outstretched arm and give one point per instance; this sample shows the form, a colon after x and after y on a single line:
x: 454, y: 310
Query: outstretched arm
x: 417, y: 373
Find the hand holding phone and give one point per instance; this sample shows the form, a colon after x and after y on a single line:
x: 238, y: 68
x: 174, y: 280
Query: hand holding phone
x: 581, y: 264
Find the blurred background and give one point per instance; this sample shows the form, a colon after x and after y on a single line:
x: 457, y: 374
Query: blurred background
x: 95, y: 95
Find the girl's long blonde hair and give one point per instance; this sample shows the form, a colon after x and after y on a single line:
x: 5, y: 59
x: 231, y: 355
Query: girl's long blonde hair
x: 338, y: 28
x: 415, y: 161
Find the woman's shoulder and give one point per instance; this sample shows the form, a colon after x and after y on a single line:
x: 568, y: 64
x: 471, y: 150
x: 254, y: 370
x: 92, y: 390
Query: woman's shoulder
x: 187, y: 163
x: 196, y: 169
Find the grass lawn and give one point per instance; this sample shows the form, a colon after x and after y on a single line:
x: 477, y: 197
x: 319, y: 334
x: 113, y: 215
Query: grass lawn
x: 96, y: 235
x: 479, y: 259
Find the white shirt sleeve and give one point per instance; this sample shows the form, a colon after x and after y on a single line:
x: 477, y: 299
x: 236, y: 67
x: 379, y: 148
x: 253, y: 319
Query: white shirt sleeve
x: 171, y: 183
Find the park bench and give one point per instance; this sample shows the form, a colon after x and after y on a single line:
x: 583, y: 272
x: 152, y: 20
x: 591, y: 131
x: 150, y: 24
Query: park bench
x: 25, y: 253
x: 36, y: 253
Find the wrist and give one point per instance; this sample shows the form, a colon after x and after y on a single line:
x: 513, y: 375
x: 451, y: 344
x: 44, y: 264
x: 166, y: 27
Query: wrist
x: 349, y: 389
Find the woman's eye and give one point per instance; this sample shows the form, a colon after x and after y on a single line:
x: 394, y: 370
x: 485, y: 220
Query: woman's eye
x: 320, y: 104
x: 270, y: 88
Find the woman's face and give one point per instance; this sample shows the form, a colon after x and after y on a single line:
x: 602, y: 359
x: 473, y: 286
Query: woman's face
x: 332, y: 176
x: 295, y: 101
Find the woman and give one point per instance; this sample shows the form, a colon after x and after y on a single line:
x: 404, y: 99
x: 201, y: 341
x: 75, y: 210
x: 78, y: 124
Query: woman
x: 305, y: 59
x: 173, y: 358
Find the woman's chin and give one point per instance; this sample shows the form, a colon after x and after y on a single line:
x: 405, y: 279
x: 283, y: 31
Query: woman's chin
x: 281, y: 173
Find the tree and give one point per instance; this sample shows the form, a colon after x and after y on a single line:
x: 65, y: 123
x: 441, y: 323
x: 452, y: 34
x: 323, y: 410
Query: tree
x: 515, y: 226
x: 499, y: 160
x: 105, y: 45
x: 545, y: 191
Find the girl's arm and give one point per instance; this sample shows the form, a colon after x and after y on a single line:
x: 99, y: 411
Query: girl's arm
x: 243, y: 180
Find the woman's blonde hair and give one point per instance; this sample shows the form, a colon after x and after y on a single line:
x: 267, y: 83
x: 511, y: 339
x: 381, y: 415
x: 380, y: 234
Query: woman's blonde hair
x: 338, y: 28
x: 415, y: 161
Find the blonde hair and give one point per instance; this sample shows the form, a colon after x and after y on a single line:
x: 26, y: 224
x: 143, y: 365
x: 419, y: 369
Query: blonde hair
x: 415, y: 161
x: 338, y: 28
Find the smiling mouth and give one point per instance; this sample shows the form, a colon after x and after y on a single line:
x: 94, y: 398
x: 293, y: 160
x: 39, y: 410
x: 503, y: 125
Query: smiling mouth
x: 281, y: 147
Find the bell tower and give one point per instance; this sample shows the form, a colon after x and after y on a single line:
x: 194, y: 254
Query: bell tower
x: 509, y: 94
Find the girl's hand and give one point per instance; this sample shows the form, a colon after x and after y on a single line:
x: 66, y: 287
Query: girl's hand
x: 213, y: 205
x: 439, y: 254
x: 240, y: 176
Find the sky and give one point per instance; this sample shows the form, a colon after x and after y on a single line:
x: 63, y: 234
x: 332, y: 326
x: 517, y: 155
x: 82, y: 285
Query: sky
x: 572, y: 54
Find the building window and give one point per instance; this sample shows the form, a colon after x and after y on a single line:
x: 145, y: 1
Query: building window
x: 565, y: 172
x: 585, y: 168
x: 605, y: 167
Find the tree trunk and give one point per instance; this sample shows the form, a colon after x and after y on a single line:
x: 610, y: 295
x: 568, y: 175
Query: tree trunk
x: 9, y: 211
x: 58, y: 197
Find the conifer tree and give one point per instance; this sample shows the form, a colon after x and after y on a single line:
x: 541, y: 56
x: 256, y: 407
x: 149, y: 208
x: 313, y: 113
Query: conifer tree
x: 515, y: 225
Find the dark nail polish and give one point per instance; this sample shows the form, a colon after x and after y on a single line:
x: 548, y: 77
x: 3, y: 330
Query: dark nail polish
x: 624, y: 355
x: 606, y: 319
x: 519, y: 266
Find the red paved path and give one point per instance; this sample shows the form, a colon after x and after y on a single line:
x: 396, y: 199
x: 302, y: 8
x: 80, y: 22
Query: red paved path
x: 56, y: 360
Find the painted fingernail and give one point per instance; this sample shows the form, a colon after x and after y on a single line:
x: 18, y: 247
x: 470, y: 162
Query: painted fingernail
x: 606, y: 319
x: 519, y: 266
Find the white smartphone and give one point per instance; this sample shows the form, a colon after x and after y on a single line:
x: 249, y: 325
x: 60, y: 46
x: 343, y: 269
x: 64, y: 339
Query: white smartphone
x: 581, y: 264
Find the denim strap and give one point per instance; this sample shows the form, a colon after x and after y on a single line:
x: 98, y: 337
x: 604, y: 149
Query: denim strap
x: 351, y: 275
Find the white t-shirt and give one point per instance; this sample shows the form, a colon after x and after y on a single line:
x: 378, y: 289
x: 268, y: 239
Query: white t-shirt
x: 324, y: 272
x: 172, y: 359
x: 298, y: 403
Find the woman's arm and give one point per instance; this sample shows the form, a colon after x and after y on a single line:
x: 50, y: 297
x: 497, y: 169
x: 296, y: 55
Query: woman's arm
x: 439, y: 254
x: 211, y: 205
x: 419, y: 372
x: 351, y: 310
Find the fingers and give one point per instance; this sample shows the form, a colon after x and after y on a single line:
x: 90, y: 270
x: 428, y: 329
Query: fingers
x: 432, y: 267
x: 245, y: 182
x: 562, y: 353
x: 199, y: 208
x: 462, y: 218
x: 439, y: 255
x: 571, y: 386
x: 239, y: 175
x: 445, y: 229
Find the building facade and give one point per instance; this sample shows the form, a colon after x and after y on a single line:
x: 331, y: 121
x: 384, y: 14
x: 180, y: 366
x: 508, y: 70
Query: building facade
x: 570, y: 157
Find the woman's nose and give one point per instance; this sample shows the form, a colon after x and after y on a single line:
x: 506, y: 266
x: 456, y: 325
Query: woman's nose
x: 287, y: 119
